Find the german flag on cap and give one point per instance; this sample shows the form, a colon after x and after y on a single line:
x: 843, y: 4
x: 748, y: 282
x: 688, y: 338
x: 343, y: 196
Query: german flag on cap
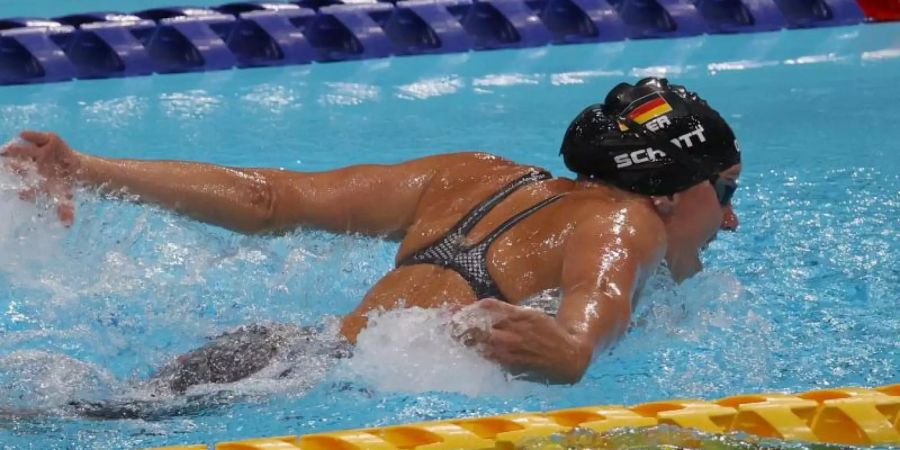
x: 649, y: 107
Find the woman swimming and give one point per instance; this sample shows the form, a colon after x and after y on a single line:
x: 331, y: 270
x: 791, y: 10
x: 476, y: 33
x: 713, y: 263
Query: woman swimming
x: 656, y: 171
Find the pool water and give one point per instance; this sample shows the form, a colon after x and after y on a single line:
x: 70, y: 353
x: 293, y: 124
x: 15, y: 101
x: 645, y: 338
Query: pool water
x: 804, y: 296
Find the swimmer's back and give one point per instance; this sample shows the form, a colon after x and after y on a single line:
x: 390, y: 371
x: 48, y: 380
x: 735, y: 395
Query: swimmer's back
x: 523, y: 261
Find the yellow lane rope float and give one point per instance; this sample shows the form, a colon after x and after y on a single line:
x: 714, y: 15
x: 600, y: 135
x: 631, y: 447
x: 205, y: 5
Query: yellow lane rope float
x: 855, y: 416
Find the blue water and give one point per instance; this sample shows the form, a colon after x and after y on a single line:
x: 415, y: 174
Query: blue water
x: 804, y: 296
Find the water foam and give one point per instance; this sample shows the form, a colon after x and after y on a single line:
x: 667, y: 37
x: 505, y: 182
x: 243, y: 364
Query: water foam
x: 19, y: 220
x: 661, y: 437
x: 128, y: 287
x: 36, y: 380
x: 412, y: 351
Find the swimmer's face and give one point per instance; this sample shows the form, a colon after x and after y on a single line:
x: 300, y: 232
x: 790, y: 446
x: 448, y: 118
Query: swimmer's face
x: 696, y: 218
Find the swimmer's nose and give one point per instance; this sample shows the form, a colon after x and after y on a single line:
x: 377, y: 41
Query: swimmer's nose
x: 729, y: 219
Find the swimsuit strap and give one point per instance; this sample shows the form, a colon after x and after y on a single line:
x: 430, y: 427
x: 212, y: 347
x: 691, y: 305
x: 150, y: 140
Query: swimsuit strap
x: 483, y: 283
x: 512, y: 221
x: 465, y: 225
x: 470, y: 261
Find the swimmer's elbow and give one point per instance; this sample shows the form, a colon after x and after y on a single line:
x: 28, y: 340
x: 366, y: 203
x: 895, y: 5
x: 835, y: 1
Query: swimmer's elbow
x: 263, y: 205
x: 569, y: 370
x: 570, y: 373
x: 577, y: 368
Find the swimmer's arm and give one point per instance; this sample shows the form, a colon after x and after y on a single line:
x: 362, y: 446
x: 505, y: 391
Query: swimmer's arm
x: 369, y: 199
x: 607, y: 261
x: 601, y: 271
x: 372, y: 199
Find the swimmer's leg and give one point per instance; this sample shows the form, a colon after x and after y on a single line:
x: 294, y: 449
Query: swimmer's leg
x: 241, y: 353
x: 127, y: 408
x: 227, y: 358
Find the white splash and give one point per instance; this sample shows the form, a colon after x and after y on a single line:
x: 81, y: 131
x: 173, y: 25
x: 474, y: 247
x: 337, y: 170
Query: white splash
x: 36, y: 380
x: 743, y: 64
x: 349, y: 94
x: 876, y: 55
x: 431, y: 87
x: 814, y: 59
x: 195, y: 103
x: 709, y: 314
x: 581, y: 77
x: 412, y: 350
x: 272, y: 98
x: 659, y: 71
x: 506, y: 79
x: 117, y: 111
x: 21, y: 221
x: 680, y: 309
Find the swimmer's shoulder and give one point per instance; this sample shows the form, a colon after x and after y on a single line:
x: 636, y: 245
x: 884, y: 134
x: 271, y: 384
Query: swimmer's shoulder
x: 629, y: 215
x: 469, y: 166
x: 470, y: 158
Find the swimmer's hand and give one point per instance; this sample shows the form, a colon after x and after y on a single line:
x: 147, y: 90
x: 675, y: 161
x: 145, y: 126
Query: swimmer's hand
x: 55, y: 163
x: 525, y: 341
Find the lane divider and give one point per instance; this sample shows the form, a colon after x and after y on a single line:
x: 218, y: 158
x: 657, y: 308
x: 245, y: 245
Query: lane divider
x: 852, y: 416
x: 253, y: 34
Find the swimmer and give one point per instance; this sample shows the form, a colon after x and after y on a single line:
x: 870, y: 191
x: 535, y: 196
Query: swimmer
x: 656, y: 170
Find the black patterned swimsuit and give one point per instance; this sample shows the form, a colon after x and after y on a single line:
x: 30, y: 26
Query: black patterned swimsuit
x: 470, y: 261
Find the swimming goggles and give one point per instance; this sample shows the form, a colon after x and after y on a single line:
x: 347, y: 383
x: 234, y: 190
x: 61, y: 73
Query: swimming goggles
x: 725, y: 188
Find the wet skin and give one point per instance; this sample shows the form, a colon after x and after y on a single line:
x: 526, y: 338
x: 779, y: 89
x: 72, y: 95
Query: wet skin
x: 529, y: 258
x: 598, y: 244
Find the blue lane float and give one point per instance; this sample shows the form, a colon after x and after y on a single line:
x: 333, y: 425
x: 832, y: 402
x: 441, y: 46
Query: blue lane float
x: 580, y: 21
x: 500, y: 24
x: 424, y: 26
x: 268, y: 35
x: 734, y: 16
x: 345, y: 32
x: 820, y: 13
x: 28, y: 53
x: 188, y: 39
x: 254, y: 34
x: 103, y: 45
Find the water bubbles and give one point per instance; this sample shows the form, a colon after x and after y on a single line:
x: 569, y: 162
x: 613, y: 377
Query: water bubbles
x: 659, y: 437
x: 20, y: 219
x: 412, y: 350
x: 37, y: 381
x: 130, y: 286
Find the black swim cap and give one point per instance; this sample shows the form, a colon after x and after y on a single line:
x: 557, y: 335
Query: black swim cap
x: 653, y: 138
